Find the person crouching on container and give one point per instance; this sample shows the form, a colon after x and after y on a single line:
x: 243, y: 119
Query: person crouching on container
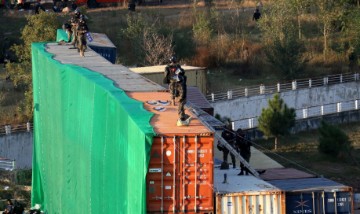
x: 176, y: 78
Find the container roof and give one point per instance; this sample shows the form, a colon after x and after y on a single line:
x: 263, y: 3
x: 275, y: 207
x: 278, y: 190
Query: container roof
x: 161, y: 69
x: 285, y: 173
x: 101, y: 40
x: 309, y: 184
x: 245, y: 184
x: 164, y: 122
x: 197, y: 98
x: 123, y: 78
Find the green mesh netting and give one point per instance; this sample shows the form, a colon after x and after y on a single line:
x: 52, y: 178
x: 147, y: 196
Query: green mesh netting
x: 61, y: 35
x: 91, y: 141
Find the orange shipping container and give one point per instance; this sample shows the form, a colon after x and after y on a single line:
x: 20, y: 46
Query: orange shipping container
x: 180, y: 175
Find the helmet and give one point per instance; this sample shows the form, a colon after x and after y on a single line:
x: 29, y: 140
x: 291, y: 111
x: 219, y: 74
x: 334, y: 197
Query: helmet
x: 173, y: 59
x: 77, y: 12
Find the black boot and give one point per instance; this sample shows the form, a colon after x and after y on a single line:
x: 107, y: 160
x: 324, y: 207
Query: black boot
x: 241, y: 173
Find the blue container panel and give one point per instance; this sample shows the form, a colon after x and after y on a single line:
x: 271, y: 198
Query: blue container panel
x: 107, y: 53
x: 301, y: 203
x: 337, y: 200
x: 319, y: 202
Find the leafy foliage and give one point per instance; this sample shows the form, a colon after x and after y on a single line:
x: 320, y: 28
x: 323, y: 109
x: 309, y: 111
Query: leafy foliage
x: 283, y: 47
x: 286, y: 54
x: 202, y: 28
x: 148, y: 45
x: 333, y: 141
x: 277, y: 119
x: 40, y: 28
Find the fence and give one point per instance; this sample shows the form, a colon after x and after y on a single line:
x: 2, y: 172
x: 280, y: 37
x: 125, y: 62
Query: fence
x: 303, y: 113
x: 282, y: 87
x: 7, y: 164
x: 8, y: 129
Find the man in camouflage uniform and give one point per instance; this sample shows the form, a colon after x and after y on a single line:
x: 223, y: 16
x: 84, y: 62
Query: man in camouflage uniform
x: 175, y: 77
x: 74, y: 21
x: 81, y: 35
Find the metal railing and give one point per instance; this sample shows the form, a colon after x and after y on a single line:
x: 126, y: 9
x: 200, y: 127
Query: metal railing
x: 282, y: 87
x: 7, y: 164
x: 303, y: 113
x: 8, y: 129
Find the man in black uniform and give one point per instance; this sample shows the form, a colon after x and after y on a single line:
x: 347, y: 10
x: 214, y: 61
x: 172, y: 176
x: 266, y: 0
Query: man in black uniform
x: 230, y: 137
x: 244, y: 145
x: 256, y: 15
x: 175, y: 77
x: 81, y: 31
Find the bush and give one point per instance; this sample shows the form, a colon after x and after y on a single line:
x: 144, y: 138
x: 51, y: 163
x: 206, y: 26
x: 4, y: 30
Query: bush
x: 333, y: 141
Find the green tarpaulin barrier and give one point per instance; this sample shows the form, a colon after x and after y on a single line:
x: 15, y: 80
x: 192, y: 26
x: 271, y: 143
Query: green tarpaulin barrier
x: 61, y: 35
x: 91, y: 141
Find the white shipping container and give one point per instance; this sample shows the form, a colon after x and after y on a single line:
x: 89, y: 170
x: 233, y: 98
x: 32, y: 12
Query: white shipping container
x: 245, y: 194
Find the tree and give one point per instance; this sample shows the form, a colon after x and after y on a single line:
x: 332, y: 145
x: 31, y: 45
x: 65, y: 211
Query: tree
x: 39, y: 28
x: 328, y: 12
x: 281, y: 32
x: 148, y: 45
x: 286, y: 55
x: 333, y: 141
x: 277, y: 119
x: 202, y: 28
x: 157, y: 47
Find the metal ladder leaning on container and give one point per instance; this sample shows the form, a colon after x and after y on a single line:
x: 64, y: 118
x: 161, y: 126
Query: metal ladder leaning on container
x: 198, y: 112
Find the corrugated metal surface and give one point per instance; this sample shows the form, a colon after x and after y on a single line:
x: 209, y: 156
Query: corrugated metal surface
x: 102, y: 45
x: 246, y: 194
x: 121, y: 75
x: 180, y: 176
x: 316, y: 195
x: 309, y: 184
x: 195, y: 97
x: 101, y: 40
x: 284, y: 173
x: 164, y: 122
x: 196, y: 76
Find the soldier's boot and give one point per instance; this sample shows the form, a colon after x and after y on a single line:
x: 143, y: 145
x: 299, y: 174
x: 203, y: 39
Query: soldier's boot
x: 241, y: 172
x: 183, y: 122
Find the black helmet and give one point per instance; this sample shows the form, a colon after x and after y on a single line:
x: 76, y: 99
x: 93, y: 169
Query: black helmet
x: 173, y: 59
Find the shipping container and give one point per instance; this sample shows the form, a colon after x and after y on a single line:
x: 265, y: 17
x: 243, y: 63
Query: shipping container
x: 196, y: 76
x: 180, y: 172
x: 245, y: 194
x: 284, y: 174
x: 316, y: 195
x: 102, y: 45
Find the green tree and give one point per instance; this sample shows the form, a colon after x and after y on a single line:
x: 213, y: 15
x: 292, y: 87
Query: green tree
x: 281, y: 32
x: 202, y: 28
x: 277, y: 119
x: 286, y: 54
x: 39, y: 28
x: 333, y: 141
x: 329, y: 11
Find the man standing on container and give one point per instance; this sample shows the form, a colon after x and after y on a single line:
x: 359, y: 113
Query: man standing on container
x: 244, y: 145
x: 229, y: 136
x: 175, y: 77
x: 74, y: 26
x: 81, y: 31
